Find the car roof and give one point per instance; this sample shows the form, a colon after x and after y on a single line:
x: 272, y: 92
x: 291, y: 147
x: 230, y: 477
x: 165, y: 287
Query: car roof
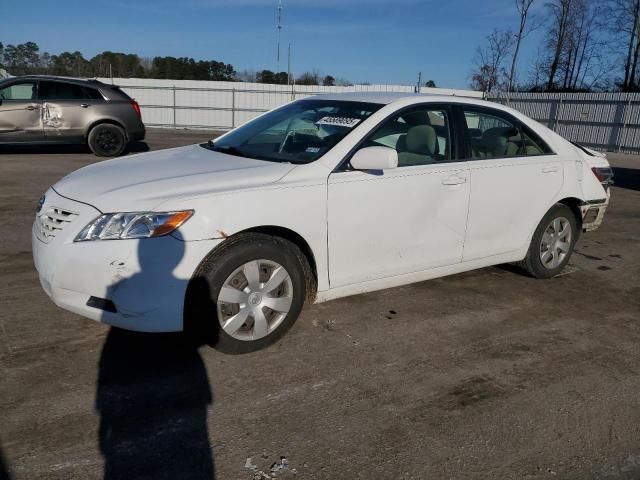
x: 386, y: 98
x: 76, y: 80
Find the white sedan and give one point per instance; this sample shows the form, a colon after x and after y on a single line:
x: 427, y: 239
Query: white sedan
x: 325, y: 197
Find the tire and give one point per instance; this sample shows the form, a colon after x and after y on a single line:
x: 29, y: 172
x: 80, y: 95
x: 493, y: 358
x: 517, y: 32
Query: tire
x: 231, y: 266
x: 551, y: 247
x: 107, y: 140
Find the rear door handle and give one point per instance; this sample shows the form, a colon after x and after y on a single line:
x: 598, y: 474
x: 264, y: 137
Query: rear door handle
x: 549, y: 169
x: 454, y: 180
x: 84, y: 105
x: 31, y: 107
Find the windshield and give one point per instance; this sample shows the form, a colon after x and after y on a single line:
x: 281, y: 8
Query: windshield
x: 298, y: 133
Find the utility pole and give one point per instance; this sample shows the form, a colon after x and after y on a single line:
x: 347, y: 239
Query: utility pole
x: 289, y: 66
x: 419, y: 84
x: 279, y: 28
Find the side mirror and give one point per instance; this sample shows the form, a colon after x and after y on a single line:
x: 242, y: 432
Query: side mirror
x: 375, y: 158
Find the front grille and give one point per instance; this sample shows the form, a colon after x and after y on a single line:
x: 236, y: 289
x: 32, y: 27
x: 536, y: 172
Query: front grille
x: 52, y: 222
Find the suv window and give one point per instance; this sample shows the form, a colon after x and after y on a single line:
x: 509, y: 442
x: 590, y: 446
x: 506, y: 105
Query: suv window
x: 66, y: 91
x: 19, y: 91
x: 421, y: 136
x: 492, y: 134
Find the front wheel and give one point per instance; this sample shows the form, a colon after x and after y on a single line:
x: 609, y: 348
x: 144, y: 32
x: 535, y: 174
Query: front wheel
x: 552, y: 243
x: 248, y: 293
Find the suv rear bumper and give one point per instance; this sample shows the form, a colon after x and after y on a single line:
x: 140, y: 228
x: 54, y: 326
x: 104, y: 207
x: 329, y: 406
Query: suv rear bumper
x: 137, y: 134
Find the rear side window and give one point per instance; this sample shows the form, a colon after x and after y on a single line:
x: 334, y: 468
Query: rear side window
x: 67, y: 91
x: 19, y: 91
x: 92, y: 93
x: 490, y: 134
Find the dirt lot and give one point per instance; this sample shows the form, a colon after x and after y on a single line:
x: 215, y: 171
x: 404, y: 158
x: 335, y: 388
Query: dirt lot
x: 488, y: 374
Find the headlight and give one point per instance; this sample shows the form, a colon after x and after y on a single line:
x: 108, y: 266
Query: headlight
x: 119, y: 226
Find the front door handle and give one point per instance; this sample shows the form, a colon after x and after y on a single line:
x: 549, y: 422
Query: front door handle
x: 549, y: 169
x: 84, y: 105
x: 31, y: 107
x: 454, y: 180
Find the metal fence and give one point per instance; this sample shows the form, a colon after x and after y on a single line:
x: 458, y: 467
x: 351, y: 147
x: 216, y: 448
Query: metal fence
x: 603, y: 121
x: 225, y: 105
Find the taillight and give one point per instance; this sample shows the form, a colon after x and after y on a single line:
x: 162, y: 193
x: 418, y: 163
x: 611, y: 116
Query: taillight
x: 604, y: 175
x: 136, y: 107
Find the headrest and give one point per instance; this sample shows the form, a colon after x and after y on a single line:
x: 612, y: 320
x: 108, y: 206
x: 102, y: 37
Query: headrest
x: 422, y: 139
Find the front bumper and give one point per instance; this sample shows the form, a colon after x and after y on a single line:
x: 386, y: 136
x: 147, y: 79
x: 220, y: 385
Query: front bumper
x: 145, y: 279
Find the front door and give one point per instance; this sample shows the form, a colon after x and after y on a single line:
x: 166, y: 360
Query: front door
x: 20, y: 115
x: 403, y: 220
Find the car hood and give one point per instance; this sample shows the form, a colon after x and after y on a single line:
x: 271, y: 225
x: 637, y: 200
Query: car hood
x: 143, y: 181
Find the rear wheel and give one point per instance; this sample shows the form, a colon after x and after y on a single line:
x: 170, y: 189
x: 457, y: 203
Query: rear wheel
x: 248, y: 293
x: 107, y: 140
x: 552, y: 243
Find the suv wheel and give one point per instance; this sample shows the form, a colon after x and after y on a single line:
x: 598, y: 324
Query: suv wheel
x: 107, y: 140
x: 552, y: 243
x: 248, y: 293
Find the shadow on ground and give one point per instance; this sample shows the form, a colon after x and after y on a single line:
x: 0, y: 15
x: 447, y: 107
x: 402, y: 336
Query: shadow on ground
x: 4, y: 468
x: 31, y: 149
x: 152, y: 397
x: 626, y: 178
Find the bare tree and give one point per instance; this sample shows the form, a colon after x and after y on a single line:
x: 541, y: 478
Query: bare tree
x: 523, y: 6
x: 625, y: 30
x: 490, y: 74
x: 560, y: 14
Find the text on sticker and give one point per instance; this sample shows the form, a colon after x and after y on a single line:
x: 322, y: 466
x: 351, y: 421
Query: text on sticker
x: 339, y: 121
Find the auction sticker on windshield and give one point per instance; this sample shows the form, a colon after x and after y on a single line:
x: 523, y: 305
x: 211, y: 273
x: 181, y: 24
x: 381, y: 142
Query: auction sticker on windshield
x: 339, y: 121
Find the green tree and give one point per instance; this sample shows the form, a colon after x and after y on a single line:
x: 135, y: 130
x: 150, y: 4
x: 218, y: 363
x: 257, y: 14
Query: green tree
x: 267, y: 76
x: 328, y: 81
x: 430, y: 84
x: 309, y: 78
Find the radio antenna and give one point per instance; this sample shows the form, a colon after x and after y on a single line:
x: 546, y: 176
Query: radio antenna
x: 279, y: 28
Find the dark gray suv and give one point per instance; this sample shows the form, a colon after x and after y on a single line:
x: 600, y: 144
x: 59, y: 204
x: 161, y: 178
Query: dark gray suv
x: 44, y: 109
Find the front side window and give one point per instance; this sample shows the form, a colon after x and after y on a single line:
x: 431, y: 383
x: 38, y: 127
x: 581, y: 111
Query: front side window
x: 298, y: 133
x: 19, y: 91
x: 420, y: 136
x: 495, y: 136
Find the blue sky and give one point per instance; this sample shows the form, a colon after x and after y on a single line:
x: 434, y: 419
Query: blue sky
x: 376, y: 41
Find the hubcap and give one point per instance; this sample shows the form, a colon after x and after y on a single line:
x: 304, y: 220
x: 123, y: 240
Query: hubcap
x: 107, y: 141
x: 254, y: 300
x: 556, y: 243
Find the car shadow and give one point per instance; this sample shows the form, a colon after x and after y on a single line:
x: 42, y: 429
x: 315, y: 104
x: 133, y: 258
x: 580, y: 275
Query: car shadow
x: 628, y: 178
x: 4, y: 468
x: 153, y: 391
x: 33, y: 149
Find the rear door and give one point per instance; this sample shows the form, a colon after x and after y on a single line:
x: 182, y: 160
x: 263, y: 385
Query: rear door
x: 67, y: 109
x: 514, y: 178
x: 20, y: 111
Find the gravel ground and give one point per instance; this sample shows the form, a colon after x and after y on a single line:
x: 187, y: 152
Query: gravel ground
x: 487, y: 374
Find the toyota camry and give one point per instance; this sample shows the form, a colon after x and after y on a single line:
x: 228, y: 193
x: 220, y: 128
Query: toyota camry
x: 324, y: 197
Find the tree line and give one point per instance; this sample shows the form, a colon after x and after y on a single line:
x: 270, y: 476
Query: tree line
x: 589, y: 45
x: 26, y: 59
